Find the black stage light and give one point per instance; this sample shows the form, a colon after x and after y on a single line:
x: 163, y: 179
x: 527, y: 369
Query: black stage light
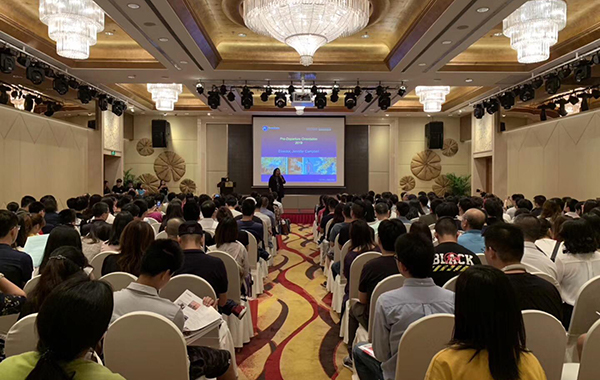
x: 214, y: 99
x: 478, y: 111
x: 247, y: 99
x: 231, y: 95
x: 102, y: 103
x: 335, y: 95
x: 35, y: 74
x: 291, y: 89
x: 269, y: 90
x: 385, y: 101
x: 573, y: 99
x: 585, y: 106
x: 84, y: 95
x: 564, y: 72
x: 562, y: 111
x: 14, y: 94
x: 110, y: 100
x: 314, y: 89
x: 543, y: 116
x: 49, y: 109
x: 552, y: 84
x: 38, y: 101
x: 73, y: 84
x: 93, y: 92
x: 551, y: 106
x: 369, y: 97
x: 264, y: 96
x: 57, y: 107
x: 596, y: 58
x: 507, y: 100
x: 527, y: 93
x: 379, y: 90
x: 23, y: 60
x: 350, y: 100
x: 4, y: 98
x: 583, y: 71
x: 60, y: 85
x: 28, y: 103
x: 118, y: 107
x: 596, y: 93
x: 357, y: 90
x: 493, y: 106
x: 402, y: 91
x: 7, y: 61
x: 223, y: 89
x: 321, y: 100
x: 280, y: 99
x: 49, y: 72
x: 200, y: 89
x: 537, y: 83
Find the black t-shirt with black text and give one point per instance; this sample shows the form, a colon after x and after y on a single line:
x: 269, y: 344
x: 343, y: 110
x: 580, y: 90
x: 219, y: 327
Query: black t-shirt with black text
x: 450, y: 260
x: 535, y: 293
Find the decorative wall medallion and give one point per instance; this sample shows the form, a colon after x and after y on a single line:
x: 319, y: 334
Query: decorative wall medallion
x: 169, y: 166
x: 187, y: 186
x: 441, y: 186
x: 144, y: 147
x: 426, y: 165
x: 407, y: 183
x: 450, y: 147
x: 150, y: 182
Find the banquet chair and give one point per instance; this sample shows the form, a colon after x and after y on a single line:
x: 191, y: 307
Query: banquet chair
x: 161, y: 235
x: 31, y: 284
x: 22, y: 336
x: 482, y: 258
x: 589, y: 368
x: 258, y: 285
x: 451, y: 284
x: 97, y: 262
x: 180, y: 283
x: 118, y: 280
x: 547, y: 340
x: 339, y: 284
x: 584, y: 315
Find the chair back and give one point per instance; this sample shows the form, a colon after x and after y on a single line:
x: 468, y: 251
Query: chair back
x: 389, y: 283
x: 137, y: 355
x: 356, y: 269
x: 451, y: 284
x: 31, y: 284
x: 118, y: 280
x: 155, y: 228
x: 343, y: 253
x: 590, y: 365
x: 327, y: 227
x: 407, y: 226
x: 97, y: 262
x: 252, y: 251
x: 180, y: 283
x: 547, y: 340
x: 586, y: 305
x: 421, y: 341
x: 234, y: 285
x: 151, y: 221
x: 6, y: 322
x: 337, y: 251
x: 265, y: 234
x: 22, y: 336
x: 161, y: 235
x: 482, y: 258
x: 545, y: 276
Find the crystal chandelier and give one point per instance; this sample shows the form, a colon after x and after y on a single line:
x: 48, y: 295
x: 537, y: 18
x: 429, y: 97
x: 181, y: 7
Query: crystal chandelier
x: 432, y: 97
x: 73, y: 24
x: 534, y: 27
x: 165, y: 95
x: 306, y: 25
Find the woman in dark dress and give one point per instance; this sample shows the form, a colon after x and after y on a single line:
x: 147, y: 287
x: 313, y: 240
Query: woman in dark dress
x: 276, y: 183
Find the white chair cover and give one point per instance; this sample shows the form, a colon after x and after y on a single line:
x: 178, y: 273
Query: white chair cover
x: 547, y: 340
x: 6, y: 322
x: 180, y: 283
x: 390, y: 283
x: 31, y: 284
x: 161, y: 235
x: 257, y: 280
x: 584, y: 315
x: 340, y: 281
x: 119, y: 280
x: 482, y: 258
x: 590, y: 365
x: 155, y: 227
x: 451, y: 284
x: 22, y: 336
x: 97, y: 262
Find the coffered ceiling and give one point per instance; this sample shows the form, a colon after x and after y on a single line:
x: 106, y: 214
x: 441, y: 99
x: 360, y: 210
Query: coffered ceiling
x: 410, y: 42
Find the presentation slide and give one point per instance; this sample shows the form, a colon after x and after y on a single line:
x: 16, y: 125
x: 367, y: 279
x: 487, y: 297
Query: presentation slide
x: 308, y: 151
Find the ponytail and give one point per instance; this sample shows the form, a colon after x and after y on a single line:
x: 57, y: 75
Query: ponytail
x: 48, y: 367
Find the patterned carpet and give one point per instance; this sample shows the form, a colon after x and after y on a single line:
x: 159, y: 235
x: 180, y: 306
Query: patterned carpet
x: 297, y: 337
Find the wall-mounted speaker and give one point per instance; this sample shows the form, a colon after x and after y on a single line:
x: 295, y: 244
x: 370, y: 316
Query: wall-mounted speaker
x: 502, y: 126
x: 161, y: 130
x: 92, y: 124
x: 434, y: 135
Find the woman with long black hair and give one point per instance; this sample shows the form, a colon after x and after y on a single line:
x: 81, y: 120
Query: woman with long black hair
x: 276, y: 183
x: 489, y: 335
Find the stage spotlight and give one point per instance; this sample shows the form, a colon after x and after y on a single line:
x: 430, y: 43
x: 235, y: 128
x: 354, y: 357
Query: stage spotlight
x: 564, y: 72
x: 596, y: 93
x: 357, y: 90
x: 335, y: 95
x: 60, y: 85
x: 84, y: 95
x: 23, y: 60
x: 596, y: 58
x: 73, y: 84
x: 291, y: 89
x: 200, y: 89
x: 38, y: 101
x: 402, y: 91
x: 493, y: 106
x: 583, y: 71
x: 264, y: 96
x: 478, y: 111
x: 543, y: 116
x: 585, y: 106
x: 93, y: 92
x: 507, y: 100
x: 537, y: 83
x: 369, y: 97
x: 552, y: 84
x: 231, y: 95
x: 350, y: 100
x: 562, y: 111
x: 4, y: 98
x: 385, y: 101
x: 49, y: 72
x: 280, y: 100
x: 14, y: 94
x: 573, y: 99
x: 214, y: 99
x: 527, y: 93
x: 7, y: 61
x: 314, y: 89
x: 28, y: 105
x: 223, y: 89
x: 35, y: 74
x: 320, y: 100
x: 102, y: 103
x: 118, y: 107
x: 49, y: 109
x: 247, y: 99
x: 379, y: 90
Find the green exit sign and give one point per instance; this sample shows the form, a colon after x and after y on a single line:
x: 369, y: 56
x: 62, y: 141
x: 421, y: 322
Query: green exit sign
x: 113, y: 153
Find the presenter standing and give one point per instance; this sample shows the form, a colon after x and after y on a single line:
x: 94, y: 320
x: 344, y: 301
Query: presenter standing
x: 276, y: 183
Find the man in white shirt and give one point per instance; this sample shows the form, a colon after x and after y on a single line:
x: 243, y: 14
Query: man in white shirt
x: 232, y: 202
x: 382, y: 212
x: 209, y: 212
x: 264, y: 218
x: 534, y: 258
x: 277, y: 203
x: 571, y: 208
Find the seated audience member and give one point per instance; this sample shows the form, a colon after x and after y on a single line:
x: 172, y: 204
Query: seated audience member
x: 382, y: 212
x: 266, y: 221
x: 12, y: 207
x: 570, y: 209
x: 143, y: 206
x: 113, y: 242
x: 534, y: 258
x: 372, y: 273
x: 397, y: 309
x: 481, y: 347
x: 464, y: 205
x: 415, y: 209
x: 64, y: 263
x: 212, y: 269
x: 264, y: 209
x: 91, y: 244
x: 25, y: 202
x: 118, y: 188
x: 247, y: 222
x: 331, y: 204
x: 504, y: 250
x: 70, y: 323
x: 112, y: 205
x: 578, y: 263
x: 494, y: 211
x: 209, y: 223
x: 335, y: 230
x: 37, y: 208
x: 191, y: 211
x: 357, y: 212
x: 472, y: 223
x: 526, y: 204
x: 67, y: 217
x: 369, y: 212
x: 402, y: 209
x: 12, y: 298
x: 153, y: 208
x: 172, y: 228
x: 37, y: 224
x: 24, y: 230
x: 430, y: 218
x: 174, y: 210
x: 447, y: 209
x: 551, y: 210
x: 511, y: 204
x: 538, y: 204
x: 276, y: 202
x: 451, y: 258
x: 60, y: 237
x: 135, y: 239
x: 361, y: 241
x: 100, y: 212
x: 424, y: 204
x: 422, y: 229
x: 161, y: 260
x: 50, y: 213
x: 226, y: 240
x: 232, y: 203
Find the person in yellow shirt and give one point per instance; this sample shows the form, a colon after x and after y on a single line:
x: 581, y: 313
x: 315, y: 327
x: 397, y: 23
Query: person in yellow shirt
x: 71, y: 322
x: 489, y: 335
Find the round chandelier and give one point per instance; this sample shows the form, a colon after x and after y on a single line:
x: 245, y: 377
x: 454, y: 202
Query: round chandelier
x: 306, y: 25
x: 534, y: 27
x: 165, y: 95
x: 73, y: 24
x: 432, y: 97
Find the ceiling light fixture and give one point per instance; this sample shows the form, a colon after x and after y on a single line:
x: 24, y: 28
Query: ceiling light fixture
x: 133, y: 6
x: 74, y: 25
x: 7, y: 61
x: 131, y: 76
x: 242, y: 35
x: 534, y: 27
x: 482, y: 9
x: 422, y: 64
x: 306, y: 25
x: 366, y: 35
x: 214, y: 99
x: 432, y: 97
x: 109, y: 33
x: 350, y: 100
x: 498, y: 34
x: 165, y: 95
x: 299, y: 110
x: 468, y: 80
x: 447, y: 42
x: 163, y: 39
x: 280, y: 100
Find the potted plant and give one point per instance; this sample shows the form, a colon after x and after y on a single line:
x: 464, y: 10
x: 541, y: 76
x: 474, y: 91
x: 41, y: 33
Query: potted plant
x: 460, y: 185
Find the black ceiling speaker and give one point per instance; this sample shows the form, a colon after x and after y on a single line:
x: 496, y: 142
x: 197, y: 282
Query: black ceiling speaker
x: 434, y: 135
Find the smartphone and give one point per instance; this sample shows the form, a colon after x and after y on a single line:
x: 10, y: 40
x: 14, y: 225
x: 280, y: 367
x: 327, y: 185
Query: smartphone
x: 158, y: 204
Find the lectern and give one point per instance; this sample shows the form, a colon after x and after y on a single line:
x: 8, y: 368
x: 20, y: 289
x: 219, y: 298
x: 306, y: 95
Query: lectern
x: 227, y: 187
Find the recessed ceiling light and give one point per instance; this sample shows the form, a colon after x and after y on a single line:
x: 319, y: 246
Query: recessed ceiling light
x: 132, y: 110
x: 133, y: 6
x: 109, y: 33
x: 387, y: 114
x: 165, y: 114
x: 437, y: 79
x: 183, y: 62
x: 149, y: 24
x: 499, y: 34
x: 242, y: 35
x: 447, y: 42
x: 422, y: 64
x: 366, y: 35
x: 165, y: 77
x: 428, y: 115
x: 208, y: 114
x: 482, y: 9
x: 187, y: 113
x: 462, y: 27
x: 163, y: 39
x: 131, y: 76
x: 503, y: 115
x: 459, y: 111
x: 469, y: 80
x: 90, y: 114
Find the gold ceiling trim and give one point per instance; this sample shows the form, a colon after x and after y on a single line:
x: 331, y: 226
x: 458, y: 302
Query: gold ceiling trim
x: 295, y: 66
x: 465, y: 95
